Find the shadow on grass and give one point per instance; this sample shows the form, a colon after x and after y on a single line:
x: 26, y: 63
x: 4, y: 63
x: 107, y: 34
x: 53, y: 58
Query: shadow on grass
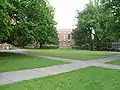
x: 5, y: 54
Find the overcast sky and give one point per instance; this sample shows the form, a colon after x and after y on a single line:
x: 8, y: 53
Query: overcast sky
x: 65, y: 11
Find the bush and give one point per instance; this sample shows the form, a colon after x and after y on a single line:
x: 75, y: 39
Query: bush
x: 50, y: 47
x: 29, y: 47
x: 13, y: 48
x: 79, y: 47
x: 43, y: 47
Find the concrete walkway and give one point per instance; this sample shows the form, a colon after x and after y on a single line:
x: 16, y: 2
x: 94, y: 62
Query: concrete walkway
x: 17, y: 76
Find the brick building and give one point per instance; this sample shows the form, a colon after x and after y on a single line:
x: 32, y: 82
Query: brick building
x: 65, y: 37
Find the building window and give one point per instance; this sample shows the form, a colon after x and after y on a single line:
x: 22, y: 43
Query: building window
x: 69, y: 36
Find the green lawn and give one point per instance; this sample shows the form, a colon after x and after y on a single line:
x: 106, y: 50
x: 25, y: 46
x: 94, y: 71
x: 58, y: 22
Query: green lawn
x: 74, y: 54
x: 91, y: 78
x: 116, y: 62
x: 19, y: 62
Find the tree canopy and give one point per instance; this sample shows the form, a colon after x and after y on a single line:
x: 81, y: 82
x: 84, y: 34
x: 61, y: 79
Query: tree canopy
x: 4, y: 20
x: 114, y: 6
x: 95, y: 26
x: 27, y: 21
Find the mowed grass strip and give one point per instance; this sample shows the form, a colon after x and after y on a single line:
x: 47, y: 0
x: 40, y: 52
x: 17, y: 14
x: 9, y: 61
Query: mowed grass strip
x: 91, y: 78
x: 116, y: 62
x: 13, y: 62
x: 73, y: 54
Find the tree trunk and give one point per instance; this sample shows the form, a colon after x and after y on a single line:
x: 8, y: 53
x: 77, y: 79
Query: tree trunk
x: 23, y: 46
x: 40, y: 45
x: 91, y: 46
x: 91, y: 40
x: 37, y: 45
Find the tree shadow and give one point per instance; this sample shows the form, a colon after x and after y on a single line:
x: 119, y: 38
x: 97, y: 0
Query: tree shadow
x: 5, y: 54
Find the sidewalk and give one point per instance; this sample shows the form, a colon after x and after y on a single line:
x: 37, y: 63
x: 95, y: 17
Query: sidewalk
x: 17, y: 76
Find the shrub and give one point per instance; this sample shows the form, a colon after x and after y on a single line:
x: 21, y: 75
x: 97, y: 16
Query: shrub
x: 50, y: 47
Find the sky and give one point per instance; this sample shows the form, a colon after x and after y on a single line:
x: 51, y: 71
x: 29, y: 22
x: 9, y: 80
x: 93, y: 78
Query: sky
x: 65, y: 11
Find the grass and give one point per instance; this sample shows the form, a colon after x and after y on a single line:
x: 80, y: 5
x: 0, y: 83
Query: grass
x: 13, y: 62
x: 116, y: 62
x: 74, y: 54
x: 91, y: 78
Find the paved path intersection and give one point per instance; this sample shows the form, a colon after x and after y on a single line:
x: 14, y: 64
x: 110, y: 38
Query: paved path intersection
x: 17, y: 76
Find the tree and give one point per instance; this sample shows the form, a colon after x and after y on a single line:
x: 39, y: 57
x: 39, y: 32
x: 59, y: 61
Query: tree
x: 82, y: 35
x: 94, y: 27
x: 114, y: 6
x: 31, y: 21
x: 45, y: 32
x: 21, y: 30
x: 4, y: 20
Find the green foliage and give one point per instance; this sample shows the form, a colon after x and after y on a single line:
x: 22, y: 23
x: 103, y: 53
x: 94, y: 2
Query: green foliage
x: 114, y: 5
x: 80, y: 47
x: 34, y: 22
x: 21, y: 34
x: 4, y: 20
x: 95, y: 27
x: 50, y: 47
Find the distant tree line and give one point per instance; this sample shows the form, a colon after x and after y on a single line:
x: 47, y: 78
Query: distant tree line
x: 25, y: 22
x: 98, y: 25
